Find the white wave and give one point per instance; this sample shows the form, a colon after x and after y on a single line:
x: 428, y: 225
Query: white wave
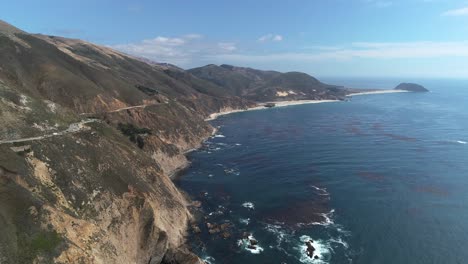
x: 238, y: 144
x: 244, y: 221
x: 244, y: 244
x: 210, y: 175
x: 278, y: 231
x: 342, y: 231
x: 322, y: 250
x: 454, y: 141
x: 232, y: 171
x: 328, y: 219
x: 219, y: 136
x: 215, y: 213
x: 340, y: 241
x: 282, y: 236
x: 321, y: 191
x: 249, y: 205
x: 209, y: 260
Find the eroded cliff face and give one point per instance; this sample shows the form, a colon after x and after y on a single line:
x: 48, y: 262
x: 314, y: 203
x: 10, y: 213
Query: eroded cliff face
x: 74, y: 190
x: 88, y: 197
x: 174, y: 128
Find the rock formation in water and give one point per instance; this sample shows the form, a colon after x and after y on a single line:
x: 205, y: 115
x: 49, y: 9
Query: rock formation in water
x: 411, y: 87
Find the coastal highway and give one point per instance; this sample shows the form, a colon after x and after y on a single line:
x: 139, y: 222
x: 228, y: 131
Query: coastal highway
x: 73, y: 128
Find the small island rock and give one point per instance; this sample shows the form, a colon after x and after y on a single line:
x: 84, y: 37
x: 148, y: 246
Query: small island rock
x: 411, y: 87
x: 310, y: 248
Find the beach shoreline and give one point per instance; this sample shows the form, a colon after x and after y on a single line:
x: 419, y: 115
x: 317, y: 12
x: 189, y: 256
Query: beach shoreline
x: 262, y: 106
x: 377, y: 92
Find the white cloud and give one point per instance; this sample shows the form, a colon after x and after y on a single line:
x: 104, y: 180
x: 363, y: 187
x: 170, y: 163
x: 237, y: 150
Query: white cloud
x: 277, y: 38
x: 456, y: 12
x: 360, y: 50
x: 165, y: 41
x: 270, y: 37
x: 189, y: 51
x: 182, y: 50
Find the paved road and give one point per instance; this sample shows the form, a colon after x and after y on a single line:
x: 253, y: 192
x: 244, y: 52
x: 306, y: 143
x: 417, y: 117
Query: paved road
x: 73, y: 128
x: 126, y: 108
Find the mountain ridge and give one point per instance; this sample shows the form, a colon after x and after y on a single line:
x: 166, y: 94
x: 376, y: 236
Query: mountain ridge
x: 264, y: 86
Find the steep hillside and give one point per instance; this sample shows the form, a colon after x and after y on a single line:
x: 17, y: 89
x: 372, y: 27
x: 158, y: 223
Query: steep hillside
x: 263, y: 86
x: 88, y: 138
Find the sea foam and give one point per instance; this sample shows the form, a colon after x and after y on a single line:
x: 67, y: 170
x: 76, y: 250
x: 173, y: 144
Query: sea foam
x: 209, y: 260
x: 321, y: 191
x: 245, y: 221
x: 249, y: 205
x: 244, y: 244
x: 328, y: 219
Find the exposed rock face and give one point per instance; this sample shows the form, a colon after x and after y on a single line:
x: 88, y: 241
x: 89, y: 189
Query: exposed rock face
x: 411, y: 87
x: 104, y: 202
x: 310, y: 249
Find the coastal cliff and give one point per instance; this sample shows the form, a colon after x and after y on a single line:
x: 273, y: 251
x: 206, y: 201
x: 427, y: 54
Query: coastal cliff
x: 89, y: 137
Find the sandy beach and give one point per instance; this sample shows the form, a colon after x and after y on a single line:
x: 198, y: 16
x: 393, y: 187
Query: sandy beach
x: 261, y: 106
x: 377, y: 92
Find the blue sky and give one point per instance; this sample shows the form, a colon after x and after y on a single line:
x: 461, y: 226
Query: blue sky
x: 361, y: 38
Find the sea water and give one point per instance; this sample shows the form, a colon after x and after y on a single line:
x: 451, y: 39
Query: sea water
x: 379, y: 179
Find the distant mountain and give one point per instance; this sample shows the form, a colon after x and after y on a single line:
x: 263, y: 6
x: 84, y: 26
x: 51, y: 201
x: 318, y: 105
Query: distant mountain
x: 411, y: 87
x: 264, y: 86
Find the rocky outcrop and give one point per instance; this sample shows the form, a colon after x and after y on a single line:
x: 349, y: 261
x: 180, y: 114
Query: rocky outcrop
x: 310, y: 249
x: 84, y: 198
x: 181, y: 255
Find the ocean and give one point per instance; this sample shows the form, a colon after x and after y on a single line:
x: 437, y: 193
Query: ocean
x: 379, y: 179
